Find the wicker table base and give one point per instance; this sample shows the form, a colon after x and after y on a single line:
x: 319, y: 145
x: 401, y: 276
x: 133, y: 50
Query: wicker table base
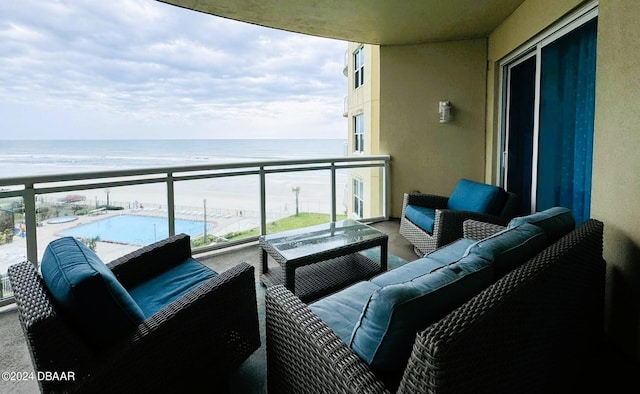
x: 323, y: 278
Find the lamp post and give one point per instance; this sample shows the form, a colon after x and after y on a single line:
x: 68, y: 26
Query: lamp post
x: 107, y: 191
x: 296, y: 190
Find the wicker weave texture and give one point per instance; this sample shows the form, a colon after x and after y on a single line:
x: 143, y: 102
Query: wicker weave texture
x: 306, y: 356
x: 529, y: 332
x: 192, y: 342
x: 474, y: 229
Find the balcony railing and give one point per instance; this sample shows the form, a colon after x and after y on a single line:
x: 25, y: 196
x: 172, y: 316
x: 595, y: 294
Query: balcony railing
x: 34, y: 190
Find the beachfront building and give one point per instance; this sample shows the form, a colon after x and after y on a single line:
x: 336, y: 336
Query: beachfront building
x: 362, y: 110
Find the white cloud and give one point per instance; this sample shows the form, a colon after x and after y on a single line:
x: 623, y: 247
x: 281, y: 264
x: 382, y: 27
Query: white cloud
x: 144, y: 68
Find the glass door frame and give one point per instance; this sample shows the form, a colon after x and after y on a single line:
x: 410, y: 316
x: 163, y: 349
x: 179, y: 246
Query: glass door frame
x: 531, y: 48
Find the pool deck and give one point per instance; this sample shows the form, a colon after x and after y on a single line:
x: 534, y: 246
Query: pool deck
x: 15, y: 251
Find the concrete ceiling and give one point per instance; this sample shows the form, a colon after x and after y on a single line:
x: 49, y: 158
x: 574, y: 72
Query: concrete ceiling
x: 384, y: 22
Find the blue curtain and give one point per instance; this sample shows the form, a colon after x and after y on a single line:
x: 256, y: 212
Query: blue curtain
x: 567, y: 88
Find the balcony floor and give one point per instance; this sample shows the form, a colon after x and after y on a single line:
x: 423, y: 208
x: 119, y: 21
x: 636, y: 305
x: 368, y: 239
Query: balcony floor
x: 249, y: 378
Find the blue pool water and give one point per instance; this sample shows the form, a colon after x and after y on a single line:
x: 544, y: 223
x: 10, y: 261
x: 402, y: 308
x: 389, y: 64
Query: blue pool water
x: 133, y: 229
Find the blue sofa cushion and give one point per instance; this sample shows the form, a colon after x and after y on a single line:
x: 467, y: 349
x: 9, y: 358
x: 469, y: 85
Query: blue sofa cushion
x: 511, y: 247
x: 386, y: 330
x: 421, y: 217
x: 163, y: 289
x: 341, y: 311
x: 477, y: 197
x: 555, y: 221
x: 85, y: 287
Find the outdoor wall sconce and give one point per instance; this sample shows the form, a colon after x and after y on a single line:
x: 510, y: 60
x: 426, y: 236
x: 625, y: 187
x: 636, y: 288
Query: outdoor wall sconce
x: 444, y: 109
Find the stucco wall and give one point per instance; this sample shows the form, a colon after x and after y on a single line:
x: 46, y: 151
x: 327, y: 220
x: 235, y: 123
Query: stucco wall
x: 616, y: 163
x: 616, y: 175
x: 427, y: 155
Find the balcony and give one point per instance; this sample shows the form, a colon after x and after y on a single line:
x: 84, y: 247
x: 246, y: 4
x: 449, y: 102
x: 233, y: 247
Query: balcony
x: 220, y: 206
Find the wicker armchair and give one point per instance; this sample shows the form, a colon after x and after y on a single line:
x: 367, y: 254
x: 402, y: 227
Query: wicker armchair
x: 192, y: 344
x: 448, y: 222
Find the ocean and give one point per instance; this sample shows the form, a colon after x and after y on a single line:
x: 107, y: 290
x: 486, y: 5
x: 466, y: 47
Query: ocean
x: 229, y: 204
x: 27, y: 157
x: 53, y: 157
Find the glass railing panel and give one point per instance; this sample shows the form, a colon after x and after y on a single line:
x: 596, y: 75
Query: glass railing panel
x: 297, y: 199
x: 230, y: 207
x: 343, y: 196
x: 13, y: 248
x: 227, y: 197
x: 364, y: 192
x: 112, y: 221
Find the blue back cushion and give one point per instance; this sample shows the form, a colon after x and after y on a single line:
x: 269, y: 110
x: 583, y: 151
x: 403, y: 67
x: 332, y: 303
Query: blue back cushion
x: 87, y: 289
x: 421, y: 217
x: 511, y: 247
x: 477, y: 197
x: 407, y: 272
x: 163, y: 289
x: 555, y: 221
x: 386, y: 330
x: 451, y: 252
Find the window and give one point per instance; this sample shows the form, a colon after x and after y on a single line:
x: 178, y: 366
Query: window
x: 358, y: 198
x: 358, y: 133
x: 358, y: 68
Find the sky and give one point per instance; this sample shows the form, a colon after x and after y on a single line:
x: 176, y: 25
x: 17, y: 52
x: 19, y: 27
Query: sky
x: 118, y: 69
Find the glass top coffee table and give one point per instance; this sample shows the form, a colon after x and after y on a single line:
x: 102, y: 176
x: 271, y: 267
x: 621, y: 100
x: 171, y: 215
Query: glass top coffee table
x: 318, y: 260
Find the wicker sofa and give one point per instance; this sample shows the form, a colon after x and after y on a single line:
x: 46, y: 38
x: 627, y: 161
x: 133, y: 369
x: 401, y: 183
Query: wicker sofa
x: 190, y: 344
x: 532, y: 330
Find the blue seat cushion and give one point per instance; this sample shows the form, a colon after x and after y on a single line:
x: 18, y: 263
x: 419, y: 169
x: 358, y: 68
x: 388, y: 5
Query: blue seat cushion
x: 87, y: 289
x: 477, y: 197
x: 555, y: 221
x: 511, y: 247
x: 421, y: 217
x: 341, y: 311
x: 384, y: 335
x: 160, y: 291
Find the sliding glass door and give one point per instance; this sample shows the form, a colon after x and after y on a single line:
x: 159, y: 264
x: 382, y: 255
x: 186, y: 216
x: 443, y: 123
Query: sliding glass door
x: 549, y: 121
x: 521, y: 77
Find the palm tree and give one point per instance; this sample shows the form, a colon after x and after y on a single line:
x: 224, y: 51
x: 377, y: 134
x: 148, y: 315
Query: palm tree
x: 296, y: 190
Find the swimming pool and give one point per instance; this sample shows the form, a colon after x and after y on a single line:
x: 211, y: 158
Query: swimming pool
x: 134, y: 229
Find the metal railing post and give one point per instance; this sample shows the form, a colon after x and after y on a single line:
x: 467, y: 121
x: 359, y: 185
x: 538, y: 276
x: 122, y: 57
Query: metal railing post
x: 171, y: 208
x: 387, y: 190
x: 31, y: 223
x: 333, y: 192
x: 263, y: 202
